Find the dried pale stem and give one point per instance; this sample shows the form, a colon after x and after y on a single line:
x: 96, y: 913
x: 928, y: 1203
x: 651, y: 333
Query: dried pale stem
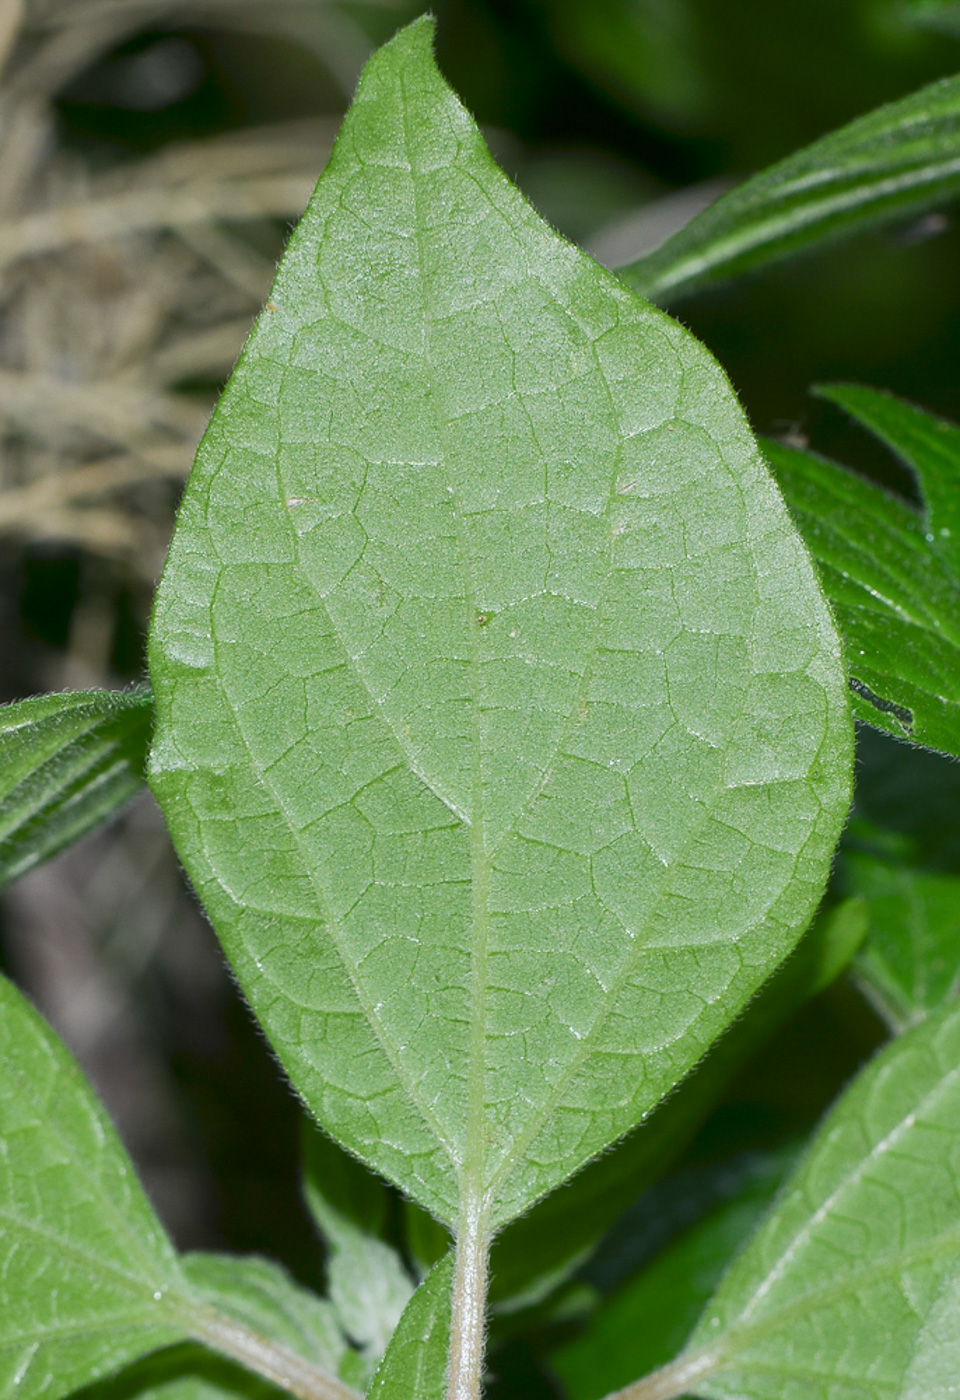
x: 266, y: 1358
x: 90, y: 221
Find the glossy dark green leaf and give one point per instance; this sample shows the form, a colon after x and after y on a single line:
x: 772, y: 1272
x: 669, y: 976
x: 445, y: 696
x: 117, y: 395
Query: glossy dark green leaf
x: 415, y: 1365
x: 909, y: 963
x: 67, y: 763
x: 890, y: 164
x: 478, y: 560
x: 831, y: 1295
x: 891, y: 579
x: 929, y: 446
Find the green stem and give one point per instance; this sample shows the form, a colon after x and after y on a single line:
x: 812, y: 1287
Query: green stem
x: 266, y: 1358
x: 468, y: 1314
x: 670, y: 1381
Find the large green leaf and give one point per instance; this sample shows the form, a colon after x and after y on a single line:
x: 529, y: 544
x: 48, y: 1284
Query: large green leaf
x: 830, y: 1296
x: 543, y: 1247
x: 67, y: 763
x: 501, y: 725
x: 890, y: 164
x: 88, y: 1279
x: 891, y: 571
x: 415, y: 1366
x: 935, y: 1366
x: 86, y: 1271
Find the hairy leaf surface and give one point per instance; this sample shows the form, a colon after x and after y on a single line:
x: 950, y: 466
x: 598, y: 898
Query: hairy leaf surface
x: 415, y: 1366
x: 890, y: 164
x: 85, y: 1268
x: 541, y: 1249
x: 367, y: 1282
x: 830, y: 1296
x: 67, y: 763
x: 891, y: 571
x: 501, y: 725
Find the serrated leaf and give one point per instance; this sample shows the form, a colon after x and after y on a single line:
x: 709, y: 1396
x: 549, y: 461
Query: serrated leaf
x: 891, y: 164
x: 890, y: 573
x: 478, y: 561
x: 415, y: 1366
x: 646, y: 1321
x: 67, y: 763
x: 85, y: 1269
x: 910, y: 962
x: 368, y: 1284
x: 261, y: 1296
x: 830, y: 1296
x: 544, y: 1247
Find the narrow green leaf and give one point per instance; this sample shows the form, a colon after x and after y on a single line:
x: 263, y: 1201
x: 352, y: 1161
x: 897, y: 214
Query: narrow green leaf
x: 543, y: 1248
x: 368, y: 1284
x: 646, y: 1321
x: 910, y: 962
x: 830, y: 1296
x: 67, y: 763
x: 262, y: 1296
x: 86, y: 1271
x: 478, y: 560
x: 895, y: 596
x: 415, y: 1366
x: 890, y: 164
x: 930, y: 446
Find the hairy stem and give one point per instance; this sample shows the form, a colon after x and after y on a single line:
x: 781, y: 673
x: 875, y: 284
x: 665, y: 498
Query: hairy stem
x: 670, y: 1381
x: 468, y: 1315
x: 266, y: 1358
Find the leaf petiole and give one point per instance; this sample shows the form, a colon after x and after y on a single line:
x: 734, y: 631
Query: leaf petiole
x: 468, y: 1309
x: 267, y: 1358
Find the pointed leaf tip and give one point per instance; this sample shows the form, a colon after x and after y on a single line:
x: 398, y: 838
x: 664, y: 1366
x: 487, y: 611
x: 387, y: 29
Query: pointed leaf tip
x: 478, y: 560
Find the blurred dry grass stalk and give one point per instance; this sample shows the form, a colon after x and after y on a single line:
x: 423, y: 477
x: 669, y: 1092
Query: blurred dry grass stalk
x: 116, y: 288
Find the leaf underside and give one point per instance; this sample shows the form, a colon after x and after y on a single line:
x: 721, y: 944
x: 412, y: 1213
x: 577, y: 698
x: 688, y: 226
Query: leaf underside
x: 501, y: 725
